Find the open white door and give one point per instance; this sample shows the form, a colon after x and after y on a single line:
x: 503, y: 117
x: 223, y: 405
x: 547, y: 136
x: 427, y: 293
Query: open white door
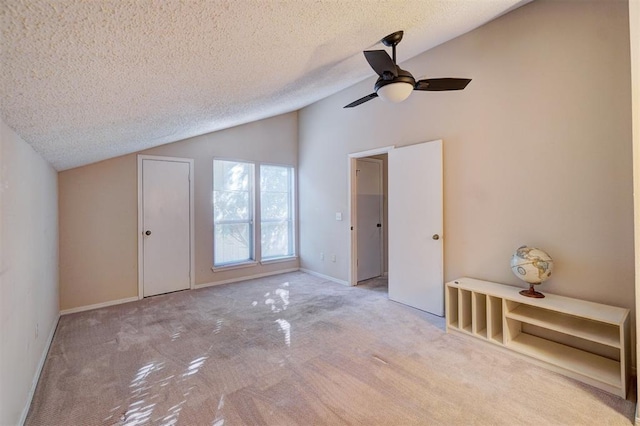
x: 165, y: 225
x: 415, y: 227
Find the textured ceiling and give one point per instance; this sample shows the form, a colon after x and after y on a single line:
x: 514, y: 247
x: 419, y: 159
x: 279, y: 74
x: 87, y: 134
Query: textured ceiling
x: 83, y: 81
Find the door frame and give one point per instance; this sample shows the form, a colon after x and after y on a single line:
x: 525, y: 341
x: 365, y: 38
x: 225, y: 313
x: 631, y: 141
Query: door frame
x: 380, y: 208
x: 192, y: 267
x: 353, y: 207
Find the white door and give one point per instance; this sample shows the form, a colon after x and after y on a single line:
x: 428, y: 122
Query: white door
x: 415, y: 227
x: 369, y: 222
x: 165, y: 227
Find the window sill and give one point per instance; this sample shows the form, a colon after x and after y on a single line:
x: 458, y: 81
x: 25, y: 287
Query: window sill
x: 232, y: 266
x: 278, y: 260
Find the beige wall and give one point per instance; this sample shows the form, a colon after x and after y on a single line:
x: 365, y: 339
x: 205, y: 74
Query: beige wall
x: 98, y: 232
x: 634, y: 31
x: 28, y: 270
x: 98, y: 211
x: 537, y: 149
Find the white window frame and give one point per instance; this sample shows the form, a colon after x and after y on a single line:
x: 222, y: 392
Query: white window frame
x: 256, y: 217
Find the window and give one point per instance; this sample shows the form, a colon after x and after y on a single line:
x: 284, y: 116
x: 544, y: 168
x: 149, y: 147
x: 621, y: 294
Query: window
x: 232, y: 212
x: 276, y: 211
x: 235, y: 187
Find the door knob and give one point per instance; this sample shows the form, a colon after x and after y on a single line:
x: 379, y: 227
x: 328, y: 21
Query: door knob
x: 148, y: 233
x: 435, y: 236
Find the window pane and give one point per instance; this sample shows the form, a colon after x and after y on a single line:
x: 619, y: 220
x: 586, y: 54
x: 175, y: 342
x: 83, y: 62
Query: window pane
x: 231, y: 205
x: 231, y: 175
x: 274, y: 205
x: 275, y: 239
x: 232, y: 243
x: 274, y: 178
x: 276, y: 211
x: 233, y: 187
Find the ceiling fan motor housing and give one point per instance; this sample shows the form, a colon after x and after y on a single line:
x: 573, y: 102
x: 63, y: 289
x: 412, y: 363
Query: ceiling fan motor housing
x: 403, y: 77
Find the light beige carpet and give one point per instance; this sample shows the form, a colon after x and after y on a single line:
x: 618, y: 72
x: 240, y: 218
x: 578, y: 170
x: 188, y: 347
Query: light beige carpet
x: 294, y: 349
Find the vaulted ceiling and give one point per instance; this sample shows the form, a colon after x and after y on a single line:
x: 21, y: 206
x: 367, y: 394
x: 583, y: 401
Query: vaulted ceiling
x: 83, y: 81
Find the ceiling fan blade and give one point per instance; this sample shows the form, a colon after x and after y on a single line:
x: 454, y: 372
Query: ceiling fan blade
x: 361, y: 100
x: 381, y: 63
x: 440, y: 84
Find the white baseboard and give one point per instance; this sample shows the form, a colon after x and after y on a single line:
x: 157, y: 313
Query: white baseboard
x: 245, y: 278
x: 326, y: 277
x: 36, y: 377
x: 98, y: 305
x: 196, y: 286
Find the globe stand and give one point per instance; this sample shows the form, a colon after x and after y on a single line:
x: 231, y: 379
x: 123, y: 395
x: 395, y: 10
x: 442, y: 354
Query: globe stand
x: 532, y: 293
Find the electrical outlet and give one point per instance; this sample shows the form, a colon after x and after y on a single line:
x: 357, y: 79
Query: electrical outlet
x: 333, y: 257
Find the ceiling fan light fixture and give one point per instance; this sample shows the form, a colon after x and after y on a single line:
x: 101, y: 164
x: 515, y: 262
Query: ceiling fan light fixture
x: 395, y: 84
x: 395, y: 92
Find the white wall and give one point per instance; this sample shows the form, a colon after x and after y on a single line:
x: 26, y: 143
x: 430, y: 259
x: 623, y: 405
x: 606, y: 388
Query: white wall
x: 28, y: 270
x: 537, y: 149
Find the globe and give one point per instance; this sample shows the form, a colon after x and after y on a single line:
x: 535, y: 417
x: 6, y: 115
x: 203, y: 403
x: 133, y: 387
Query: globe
x: 533, y: 266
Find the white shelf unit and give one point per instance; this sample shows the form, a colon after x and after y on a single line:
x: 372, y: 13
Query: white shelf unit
x: 584, y: 340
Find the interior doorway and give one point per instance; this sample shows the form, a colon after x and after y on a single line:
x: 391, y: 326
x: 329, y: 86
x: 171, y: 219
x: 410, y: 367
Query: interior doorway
x: 368, y: 215
x: 370, y: 173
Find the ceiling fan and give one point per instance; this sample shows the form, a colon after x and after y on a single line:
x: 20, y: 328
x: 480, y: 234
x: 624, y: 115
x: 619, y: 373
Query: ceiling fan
x: 395, y: 84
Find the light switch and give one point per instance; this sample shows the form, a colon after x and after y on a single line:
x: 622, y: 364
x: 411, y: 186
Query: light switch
x: 339, y: 216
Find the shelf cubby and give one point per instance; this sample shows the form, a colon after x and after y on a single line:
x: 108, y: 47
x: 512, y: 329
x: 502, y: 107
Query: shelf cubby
x: 464, y: 310
x: 583, y: 340
x: 451, y: 297
x: 494, y: 319
x: 479, y: 310
x: 585, y: 364
x: 599, y: 332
